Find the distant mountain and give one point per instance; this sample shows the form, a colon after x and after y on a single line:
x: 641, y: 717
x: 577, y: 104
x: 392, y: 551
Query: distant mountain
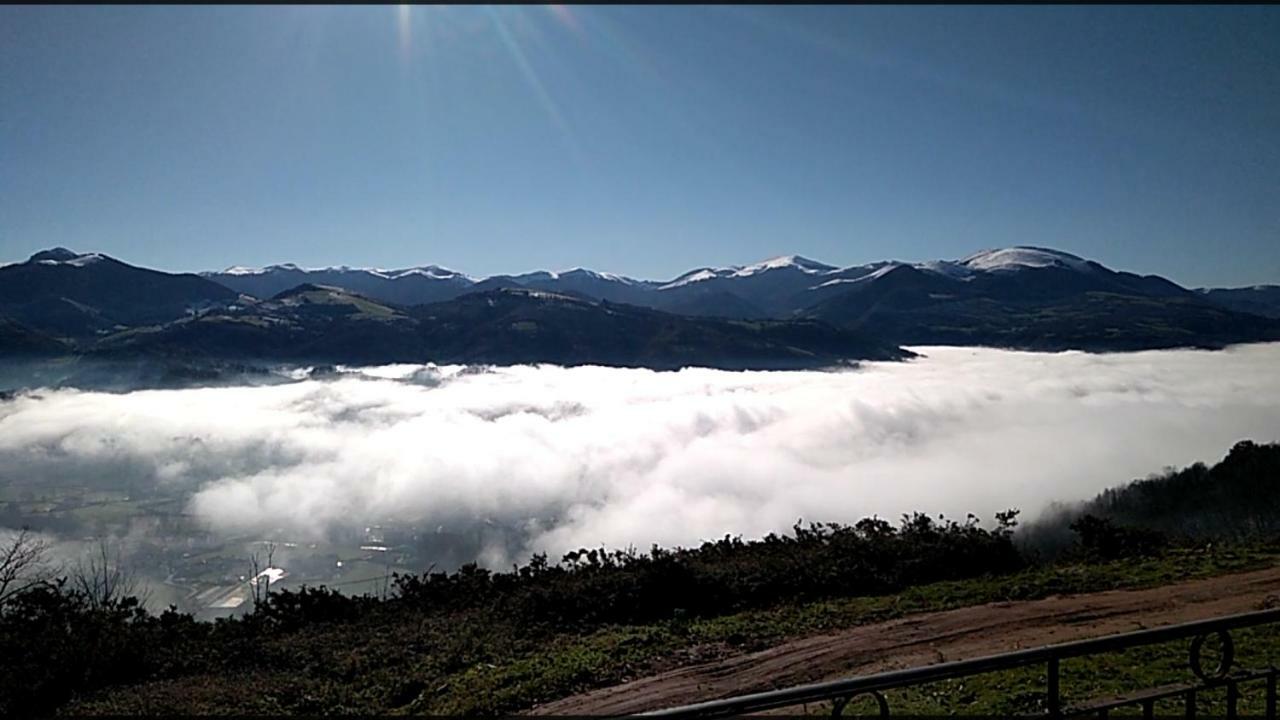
x: 768, y: 288
x: 506, y: 326
x: 1034, y: 298
x: 67, y: 294
x: 1020, y: 297
x: 1260, y: 299
x: 1024, y: 296
x: 408, y: 286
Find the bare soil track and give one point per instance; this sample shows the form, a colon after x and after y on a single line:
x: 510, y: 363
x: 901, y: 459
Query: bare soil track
x: 929, y: 638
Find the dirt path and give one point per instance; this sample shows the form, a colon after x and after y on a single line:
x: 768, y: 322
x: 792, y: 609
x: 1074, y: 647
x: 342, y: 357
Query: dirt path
x: 929, y: 638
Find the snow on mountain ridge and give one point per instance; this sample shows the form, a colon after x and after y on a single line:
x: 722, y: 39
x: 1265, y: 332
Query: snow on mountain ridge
x: 950, y: 268
x: 803, y: 264
x: 86, y: 259
x: 880, y: 271
x: 434, y: 272
x: 993, y: 260
x: 56, y: 253
x: 62, y: 256
x: 595, y: 274
x: 1024, y: 256
x: 785, y: 261
x: 699, y: 275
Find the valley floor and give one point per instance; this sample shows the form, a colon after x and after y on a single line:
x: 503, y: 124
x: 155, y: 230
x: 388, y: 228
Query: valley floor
x: 926, y: 638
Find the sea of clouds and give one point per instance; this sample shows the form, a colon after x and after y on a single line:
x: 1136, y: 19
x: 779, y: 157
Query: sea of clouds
x: 585, y: 456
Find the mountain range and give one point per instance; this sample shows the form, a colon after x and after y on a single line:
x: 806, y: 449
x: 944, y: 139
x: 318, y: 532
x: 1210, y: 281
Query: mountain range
x: 785, y: 312
x: 1020, y: 297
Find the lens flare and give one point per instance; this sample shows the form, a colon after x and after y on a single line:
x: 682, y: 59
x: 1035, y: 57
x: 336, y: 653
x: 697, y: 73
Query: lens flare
x: 549, y: 105
x: 404, y: 29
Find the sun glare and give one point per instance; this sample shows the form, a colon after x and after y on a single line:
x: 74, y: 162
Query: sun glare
x: 403, y: 16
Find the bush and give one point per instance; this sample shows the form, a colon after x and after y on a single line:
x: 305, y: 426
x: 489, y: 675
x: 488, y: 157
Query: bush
x: 1100, y: 539
x: 589, y: 587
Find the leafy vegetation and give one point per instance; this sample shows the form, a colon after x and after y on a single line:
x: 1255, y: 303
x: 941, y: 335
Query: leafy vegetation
x: 1236, y: 498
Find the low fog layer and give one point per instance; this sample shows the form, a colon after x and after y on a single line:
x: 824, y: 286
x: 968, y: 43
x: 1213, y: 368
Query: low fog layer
x: 571, y: 457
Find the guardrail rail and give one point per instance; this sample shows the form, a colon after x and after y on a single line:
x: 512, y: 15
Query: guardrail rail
x: 1223, y: 675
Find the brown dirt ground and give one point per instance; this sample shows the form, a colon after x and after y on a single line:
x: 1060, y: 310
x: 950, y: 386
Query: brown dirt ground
x: 929, y: 638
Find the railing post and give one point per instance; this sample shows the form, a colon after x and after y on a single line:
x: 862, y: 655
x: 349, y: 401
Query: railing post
x: 1233, y: 699
x: 1190, y: 706
x: 1054, y: 699
x: 1271, y: 694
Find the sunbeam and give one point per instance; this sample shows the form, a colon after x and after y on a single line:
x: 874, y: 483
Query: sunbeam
x: 404, y: 30
x: 549, y: 105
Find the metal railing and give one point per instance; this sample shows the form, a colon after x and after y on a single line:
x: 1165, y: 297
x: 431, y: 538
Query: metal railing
x: 841, y: 692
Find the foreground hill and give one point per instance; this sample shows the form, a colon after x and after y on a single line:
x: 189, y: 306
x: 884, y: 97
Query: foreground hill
x: 308, y: 323
x: 324, y: 324
x: 508, y: 326
x: 1235, y: 498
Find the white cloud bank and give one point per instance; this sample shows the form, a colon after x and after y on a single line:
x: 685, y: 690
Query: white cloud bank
x: 584, y: 456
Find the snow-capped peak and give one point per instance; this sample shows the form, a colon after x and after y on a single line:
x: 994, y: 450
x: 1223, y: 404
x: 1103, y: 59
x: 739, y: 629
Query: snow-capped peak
x: 699, y: 275
x: 1014, y: 258
x: 58, y: 254
x: 86, y: 259
x: 434, y: 272
x: 570, y: 274
x: 785, y: 261
x: 596, y: 275
x: 805, y: 265
x: 63, y: 256
x: 242, y: 270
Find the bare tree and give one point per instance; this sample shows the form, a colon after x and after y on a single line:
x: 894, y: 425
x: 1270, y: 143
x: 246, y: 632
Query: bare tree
x: 385, y: 591
x: 103, y: 579
x: 22, y: 564
x: 259, y: 585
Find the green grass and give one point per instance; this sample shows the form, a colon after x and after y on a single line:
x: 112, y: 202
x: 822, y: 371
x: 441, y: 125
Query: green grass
x: 327, y: 297
x: 613, y: 655
x: 1089, y: 679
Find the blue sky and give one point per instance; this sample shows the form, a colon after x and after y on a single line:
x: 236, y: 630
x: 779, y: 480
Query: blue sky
x: 645, y: 141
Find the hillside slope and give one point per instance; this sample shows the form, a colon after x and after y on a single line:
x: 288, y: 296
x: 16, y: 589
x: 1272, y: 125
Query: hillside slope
x: 507, y: 326
x: 63, y: 293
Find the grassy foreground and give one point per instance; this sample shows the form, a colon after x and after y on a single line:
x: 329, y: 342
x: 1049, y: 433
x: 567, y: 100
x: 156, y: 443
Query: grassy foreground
x: 476, y: 663
x: 1021, y: 692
